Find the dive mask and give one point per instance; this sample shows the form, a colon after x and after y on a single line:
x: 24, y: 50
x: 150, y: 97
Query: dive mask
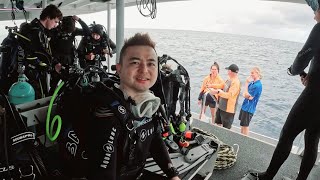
x: 146, y: 105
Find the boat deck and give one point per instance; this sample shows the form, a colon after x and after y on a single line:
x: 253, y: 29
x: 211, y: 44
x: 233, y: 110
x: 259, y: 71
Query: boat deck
x: 253, y: 154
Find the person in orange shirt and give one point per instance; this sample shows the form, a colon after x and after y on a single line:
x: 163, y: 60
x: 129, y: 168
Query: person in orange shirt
x: 228, y: 98
x: 213, y: 80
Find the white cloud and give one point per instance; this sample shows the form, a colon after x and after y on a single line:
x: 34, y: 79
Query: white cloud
x: 280, y: 20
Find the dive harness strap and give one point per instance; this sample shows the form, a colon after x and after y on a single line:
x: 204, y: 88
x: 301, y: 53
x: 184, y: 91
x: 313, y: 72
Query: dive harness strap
x: 117, y: 104
x: 119, y: 107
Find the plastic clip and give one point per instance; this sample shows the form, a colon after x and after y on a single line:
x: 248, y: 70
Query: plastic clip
x: 30, y: 175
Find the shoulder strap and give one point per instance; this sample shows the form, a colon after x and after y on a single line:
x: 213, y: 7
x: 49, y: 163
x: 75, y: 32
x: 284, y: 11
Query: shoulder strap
x: 118, y: 105
x: 116, y: 102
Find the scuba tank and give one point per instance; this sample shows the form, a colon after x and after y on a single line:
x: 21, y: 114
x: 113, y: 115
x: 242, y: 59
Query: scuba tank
x: 21, y: 91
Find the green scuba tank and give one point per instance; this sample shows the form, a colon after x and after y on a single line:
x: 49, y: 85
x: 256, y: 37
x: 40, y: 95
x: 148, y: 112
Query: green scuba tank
x: 21, y: 91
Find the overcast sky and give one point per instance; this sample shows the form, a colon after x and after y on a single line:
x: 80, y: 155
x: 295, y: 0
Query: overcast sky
x: 278, y: 20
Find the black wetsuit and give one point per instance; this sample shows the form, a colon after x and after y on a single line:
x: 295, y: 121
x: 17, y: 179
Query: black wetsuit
x: 304, y: 114
x: 38, y: 48
x: 96, y: 147
x: 89, y: 45
x: 63, y: 48
x: 62, y: 43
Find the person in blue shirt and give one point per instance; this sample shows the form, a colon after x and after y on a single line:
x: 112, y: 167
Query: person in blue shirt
x: 251, y: 94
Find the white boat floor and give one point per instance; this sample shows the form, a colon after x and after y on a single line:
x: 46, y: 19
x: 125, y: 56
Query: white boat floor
x: 253, y: 154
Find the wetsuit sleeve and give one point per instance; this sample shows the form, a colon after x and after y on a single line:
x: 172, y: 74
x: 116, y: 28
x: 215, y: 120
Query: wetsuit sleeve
x: 81, y: 50
x: 102, y: 145
x: 78, y: 32
x: 85, y: 31
x: 112, y: 46
x: 310, y: 48
x: 160, y: 154
x: 36, y: 44
x: 232, y: 92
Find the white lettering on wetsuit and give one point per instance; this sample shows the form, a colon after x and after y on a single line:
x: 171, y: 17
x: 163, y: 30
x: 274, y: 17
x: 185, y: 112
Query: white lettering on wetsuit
x: 109, y: 148
x: 145, y: 133
x: 5, y: 169
x: 22, y: 137
x: 72, y: 146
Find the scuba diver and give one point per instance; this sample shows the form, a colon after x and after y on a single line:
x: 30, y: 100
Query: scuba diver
x: 92, y: 49
x: 63, y: 45
x: 111, y: 136
x: 63, y: 38
x: 304, y: 113
x: 35, y: 42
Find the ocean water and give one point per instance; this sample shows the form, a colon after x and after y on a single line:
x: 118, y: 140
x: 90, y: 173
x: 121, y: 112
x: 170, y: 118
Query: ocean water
x: 197, y: 51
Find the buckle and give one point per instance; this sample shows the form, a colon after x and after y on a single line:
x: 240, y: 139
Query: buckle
x: 31, y: 175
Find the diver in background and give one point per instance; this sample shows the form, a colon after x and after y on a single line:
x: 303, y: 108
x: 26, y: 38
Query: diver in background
x: 63, y: 44
x: 37, y: 48
x: 94, y: 47
x: 63, y: 38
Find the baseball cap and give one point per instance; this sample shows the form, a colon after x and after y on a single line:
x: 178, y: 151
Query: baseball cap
x: 233, y: 68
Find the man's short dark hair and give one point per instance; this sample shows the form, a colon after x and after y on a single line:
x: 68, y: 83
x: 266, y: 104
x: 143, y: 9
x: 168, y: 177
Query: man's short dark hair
x: 52, y: 12
x: 137, y: 40
x: 68, y: 24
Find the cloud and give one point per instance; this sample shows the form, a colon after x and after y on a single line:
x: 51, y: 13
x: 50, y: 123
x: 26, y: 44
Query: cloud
x: 281, y: 20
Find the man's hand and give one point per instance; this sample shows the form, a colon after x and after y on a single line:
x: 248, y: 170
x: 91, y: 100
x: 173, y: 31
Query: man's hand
x: 175, y: 178
x: 58, y: 67
x: 304, y: 80
x: 199, y: 102
x: 209, y: 85
x: 76, y: 18
x: 90, y: 56
x: 213, y: 91
x: 106, y: 51
x: 247, y: 95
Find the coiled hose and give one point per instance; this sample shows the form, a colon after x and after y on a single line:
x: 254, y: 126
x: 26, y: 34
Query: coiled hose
x: 227, y: 155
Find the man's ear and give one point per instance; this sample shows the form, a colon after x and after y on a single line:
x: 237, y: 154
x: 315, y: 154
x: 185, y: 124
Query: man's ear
x: 118, y: 67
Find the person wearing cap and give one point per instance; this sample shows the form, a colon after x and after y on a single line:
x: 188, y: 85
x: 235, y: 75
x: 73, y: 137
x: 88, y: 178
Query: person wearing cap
x: 251, y: 94
x: 304, y: 114
x: 95, y: 46
x: 228, y: 98
x: 213, y: 80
